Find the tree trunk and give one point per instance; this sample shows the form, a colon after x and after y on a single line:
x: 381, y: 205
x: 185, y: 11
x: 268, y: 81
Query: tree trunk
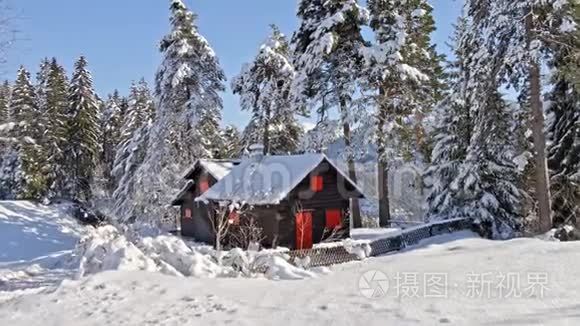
x: 382, y: 167
x: 267, y: 132
x: 354, y: 203
x: 539, y: 137
x: 383, y: 192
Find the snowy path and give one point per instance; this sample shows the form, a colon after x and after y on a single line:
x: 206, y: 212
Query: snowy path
x: 139, y: 298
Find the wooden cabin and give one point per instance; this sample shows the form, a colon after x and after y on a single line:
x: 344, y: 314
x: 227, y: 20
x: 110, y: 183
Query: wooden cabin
x: 195, y: 215
x: 298, y: 200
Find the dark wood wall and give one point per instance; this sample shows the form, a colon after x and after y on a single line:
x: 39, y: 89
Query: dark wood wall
x: 199, y: 225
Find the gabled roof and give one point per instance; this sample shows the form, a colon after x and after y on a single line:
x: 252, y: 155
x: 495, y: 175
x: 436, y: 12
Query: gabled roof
x: 217, y: 168
x: 268, y: 180
x: 179, y: 198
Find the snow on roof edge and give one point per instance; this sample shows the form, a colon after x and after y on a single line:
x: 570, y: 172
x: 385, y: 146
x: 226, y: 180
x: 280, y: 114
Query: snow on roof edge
x: 200, y: 161
x: 182, y: 192
x: 215, y: 196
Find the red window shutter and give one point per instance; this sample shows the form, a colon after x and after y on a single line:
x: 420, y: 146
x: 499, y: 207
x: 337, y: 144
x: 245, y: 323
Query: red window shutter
x: 333, y: 218
x: 234, y: 218
x: 316, y: 183
x: 203, y: 186
x: 187, y: 213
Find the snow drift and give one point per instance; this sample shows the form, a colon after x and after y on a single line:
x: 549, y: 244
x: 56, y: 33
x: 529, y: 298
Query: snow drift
x: 109, y: 249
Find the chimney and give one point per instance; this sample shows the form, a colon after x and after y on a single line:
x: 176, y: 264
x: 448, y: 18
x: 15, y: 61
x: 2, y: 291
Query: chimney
x: 256, y: 152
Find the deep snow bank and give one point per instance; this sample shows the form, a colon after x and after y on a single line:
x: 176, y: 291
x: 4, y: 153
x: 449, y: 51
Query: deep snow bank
x: 110, y: 249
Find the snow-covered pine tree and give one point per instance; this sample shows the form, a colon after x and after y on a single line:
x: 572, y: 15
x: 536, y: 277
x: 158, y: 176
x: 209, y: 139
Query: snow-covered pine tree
x: 110, y: 125
x: 188, y: 86
x: 232, y: 143
x: 286, y: 134
x: 318, y: 139
x: 22, y: 98
x: 11, y: 178
x: 23, y: 108
x: 139, y: 110
x: 56, y: 136
x: 521, y: 34
x: 327, y: 58
x: 264, y: 89
x: 5, y: 91
x: 83, y: 132
x: 487, y: 184
x: 564, y: 130
x: 10, y: 164
x: 129, y: 201
x: 452, y: 134
x: 403, y: 72
x: 41, y: 83
x: 564, y: 153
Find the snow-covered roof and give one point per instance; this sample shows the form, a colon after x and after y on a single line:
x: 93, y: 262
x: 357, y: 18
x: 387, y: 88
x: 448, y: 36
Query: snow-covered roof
x: 267, y: 180
x: 178, y: 199
x: 217, y: 168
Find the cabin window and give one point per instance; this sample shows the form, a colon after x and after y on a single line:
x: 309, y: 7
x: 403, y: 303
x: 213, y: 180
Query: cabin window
x: 203, y: 186
x: 234, y: 218
x: 316, y: 183
x: 187, y: 213
x: 333, y: 219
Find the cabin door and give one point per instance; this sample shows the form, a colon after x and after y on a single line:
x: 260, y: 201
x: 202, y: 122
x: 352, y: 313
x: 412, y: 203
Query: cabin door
x: 304, y: 230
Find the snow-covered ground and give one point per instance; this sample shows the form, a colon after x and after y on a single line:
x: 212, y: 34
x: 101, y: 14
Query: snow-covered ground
x: 373, y: 234
x: 36, y: 244
x: 31, y: 230
x: 477, y: 292
x: 455, y: 279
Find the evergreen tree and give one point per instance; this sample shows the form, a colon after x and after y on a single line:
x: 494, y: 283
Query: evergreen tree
x: 487, y: 184
x: 404, y: 71
x: 83, y: 131
x: 56, y: 136
x: 23, y: 98
x: 4, y: 102
x: 564, y: 128
x: 139, y: 111
x: 24, y: 109
x: 188, y: 84
x: 564, y: 153
x: 232, y: 143
x: 264, y: 89
x: 110, y: 125
x: 42, y: 83
x: 519, y: 35
x: 327, y: 58
x: 11, y: 178
x: 452, y: 132
x: 286, y: 135
x: 130, y: 201
x: 186, y: 122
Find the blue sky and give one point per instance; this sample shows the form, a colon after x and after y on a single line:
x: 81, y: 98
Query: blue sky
x: 120, y: 37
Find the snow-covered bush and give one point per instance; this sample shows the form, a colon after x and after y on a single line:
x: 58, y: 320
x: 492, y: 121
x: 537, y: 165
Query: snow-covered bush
x: 107, y: 249
x: 361, y: 249
x: 173, y: 251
